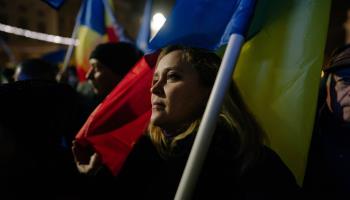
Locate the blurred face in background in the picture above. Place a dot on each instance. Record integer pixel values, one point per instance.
(342, 91)
(101, 77)
(177, 97)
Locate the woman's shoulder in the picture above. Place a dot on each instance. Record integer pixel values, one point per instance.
(143, 145)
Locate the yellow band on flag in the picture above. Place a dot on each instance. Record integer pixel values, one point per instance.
(278, 73)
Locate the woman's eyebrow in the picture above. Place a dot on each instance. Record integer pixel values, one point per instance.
(174, 67)
(167, 69)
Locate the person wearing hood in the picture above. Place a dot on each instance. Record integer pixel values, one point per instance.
(327, 173)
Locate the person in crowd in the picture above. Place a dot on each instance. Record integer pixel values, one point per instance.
(110, 62)
(69, 76)
(327, 174)
(7, 75)
(35, 69)
(40, 118)
(238, 165)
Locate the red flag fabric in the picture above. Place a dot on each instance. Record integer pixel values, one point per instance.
(122, 117)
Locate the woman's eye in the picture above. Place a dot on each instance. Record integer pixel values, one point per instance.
(173, 76)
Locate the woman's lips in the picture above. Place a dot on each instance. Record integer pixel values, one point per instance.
(158, 105)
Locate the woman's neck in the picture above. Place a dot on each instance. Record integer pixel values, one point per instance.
(171, 132)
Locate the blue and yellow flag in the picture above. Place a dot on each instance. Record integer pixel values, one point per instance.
(279, 68)
(278, 73)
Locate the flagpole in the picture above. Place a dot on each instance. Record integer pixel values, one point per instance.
(144, 32)
(73, 37)
(7, 50)
(109, 11)
(71, 47)
(208, 124)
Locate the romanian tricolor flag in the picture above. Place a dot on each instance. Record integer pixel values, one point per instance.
(97, 25)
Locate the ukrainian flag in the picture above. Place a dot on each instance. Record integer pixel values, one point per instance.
(279, 68)
(278, 73)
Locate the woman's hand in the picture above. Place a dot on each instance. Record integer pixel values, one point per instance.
(86, 160)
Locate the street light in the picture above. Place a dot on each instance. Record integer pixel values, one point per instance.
(157, 22)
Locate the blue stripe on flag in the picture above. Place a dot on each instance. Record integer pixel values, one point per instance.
(93, 15)
(56, 4)
(204, 23)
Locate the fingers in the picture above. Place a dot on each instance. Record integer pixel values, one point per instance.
(86, 160)
(82, 154)
(92, 166)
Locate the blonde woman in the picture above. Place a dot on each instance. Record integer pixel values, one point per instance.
(238, 165)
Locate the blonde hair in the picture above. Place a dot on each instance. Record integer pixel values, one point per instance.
(234, 115)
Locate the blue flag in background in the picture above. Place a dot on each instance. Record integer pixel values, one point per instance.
(93, 16)
(204, 23)
(55, 57)
(56, 4)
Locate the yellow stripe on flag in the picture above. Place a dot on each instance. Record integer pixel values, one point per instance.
(278, 73)
(88, 40)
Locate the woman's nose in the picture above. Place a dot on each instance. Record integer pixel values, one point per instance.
(157, 88)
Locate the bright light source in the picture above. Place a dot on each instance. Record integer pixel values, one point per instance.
(157, 22)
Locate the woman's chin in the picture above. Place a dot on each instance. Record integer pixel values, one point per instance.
(156, 119)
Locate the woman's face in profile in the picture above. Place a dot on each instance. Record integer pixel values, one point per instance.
(177, 95)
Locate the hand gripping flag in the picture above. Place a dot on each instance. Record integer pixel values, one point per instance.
(116, 124)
